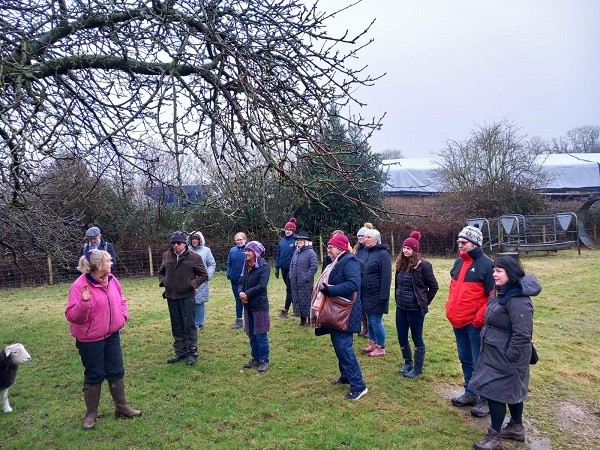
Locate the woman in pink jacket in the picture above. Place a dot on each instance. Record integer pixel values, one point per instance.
(96, 312)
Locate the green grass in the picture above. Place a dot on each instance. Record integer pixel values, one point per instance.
(217, 404)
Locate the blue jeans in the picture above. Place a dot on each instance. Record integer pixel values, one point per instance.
(239, 307)
(200, 314)
(467, 344)
(407, 319)
(101, 359)
(376, 329)
(259, 343)
(347, 362)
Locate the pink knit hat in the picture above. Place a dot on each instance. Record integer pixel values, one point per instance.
(413, 241)
(291, 224)
(340, 241)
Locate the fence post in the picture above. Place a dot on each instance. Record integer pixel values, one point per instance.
(321, 248)
(150, 260)
(393, 246)
(50, 274)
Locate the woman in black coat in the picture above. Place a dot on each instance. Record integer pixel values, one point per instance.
(415, 288)
(253, 294)
(375, 290)
(303, 267)
(502, 372)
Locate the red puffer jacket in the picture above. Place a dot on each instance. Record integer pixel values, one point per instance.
(471, 284)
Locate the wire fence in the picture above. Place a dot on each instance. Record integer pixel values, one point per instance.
(38, 270)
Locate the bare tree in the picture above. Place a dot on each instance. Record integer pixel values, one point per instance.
(579, 140)
(494, 171)
(230, 81)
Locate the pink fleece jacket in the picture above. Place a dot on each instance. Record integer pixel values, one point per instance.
(104, 314)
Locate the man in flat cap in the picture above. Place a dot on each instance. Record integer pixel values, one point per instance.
(181, 273)
(95, 241)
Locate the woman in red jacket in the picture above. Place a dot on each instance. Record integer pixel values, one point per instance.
(97, 311)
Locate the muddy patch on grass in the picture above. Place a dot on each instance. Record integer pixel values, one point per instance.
(535, 439)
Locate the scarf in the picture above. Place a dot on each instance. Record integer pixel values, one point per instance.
(508, 291)
(316, 303)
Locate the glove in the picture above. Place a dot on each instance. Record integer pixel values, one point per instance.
(276, 273)
(325, 290)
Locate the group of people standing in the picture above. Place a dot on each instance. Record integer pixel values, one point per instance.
(489, 306)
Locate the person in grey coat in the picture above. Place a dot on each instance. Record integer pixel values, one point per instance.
(502, 371)
(198, 245)
(302, 276)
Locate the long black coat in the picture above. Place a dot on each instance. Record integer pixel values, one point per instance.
(303, 267)
(502, 371)
(376, 280)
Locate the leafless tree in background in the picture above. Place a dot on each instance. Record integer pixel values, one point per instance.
(229, 81)
(578, 140)
(494, 171)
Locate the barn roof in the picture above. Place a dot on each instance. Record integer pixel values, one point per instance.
(567, 171)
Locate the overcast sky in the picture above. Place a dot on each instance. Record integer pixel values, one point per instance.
(454, 64)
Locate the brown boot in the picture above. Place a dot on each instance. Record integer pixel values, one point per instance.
(91, 395)
(283, 314)
(122, 409)
(491, 441)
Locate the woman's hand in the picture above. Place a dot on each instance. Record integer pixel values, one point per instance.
(85, 295)
(243, 297)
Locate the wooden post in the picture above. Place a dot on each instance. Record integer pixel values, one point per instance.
(150, 260)
(50, 274)
(393, 246)
(321, 248)
(544, 238)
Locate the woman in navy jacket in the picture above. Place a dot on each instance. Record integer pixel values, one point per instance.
(342, 278)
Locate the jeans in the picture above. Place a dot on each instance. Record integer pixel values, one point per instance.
(376, 329)
(102, 359)
(259, 343)
(407, 319)
(200, 314)
(285, 274)
(347, 362)
(467, 344)
(239, 307)
(183, 327)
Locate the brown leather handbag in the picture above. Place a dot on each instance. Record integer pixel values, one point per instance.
(336, 312)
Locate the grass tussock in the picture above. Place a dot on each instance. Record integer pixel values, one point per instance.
(218, 404)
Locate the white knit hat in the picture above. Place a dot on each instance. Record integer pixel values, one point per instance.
(472, 234)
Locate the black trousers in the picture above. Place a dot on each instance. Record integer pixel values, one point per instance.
(285, 273)
(183, 326)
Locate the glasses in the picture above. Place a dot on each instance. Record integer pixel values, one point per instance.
(462, 242)
(177, 243)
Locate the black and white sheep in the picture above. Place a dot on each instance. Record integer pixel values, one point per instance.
(10, 358)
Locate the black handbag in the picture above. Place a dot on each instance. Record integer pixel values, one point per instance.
(534, 356)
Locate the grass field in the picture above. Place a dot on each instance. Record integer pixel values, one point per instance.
(217, 404)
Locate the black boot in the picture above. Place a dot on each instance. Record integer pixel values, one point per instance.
(418, 367)
(407, 355)
(122, 409)
(91, 395)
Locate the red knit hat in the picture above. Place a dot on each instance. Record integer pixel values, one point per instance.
(413, 241)
(291, 225)
(340, 241)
